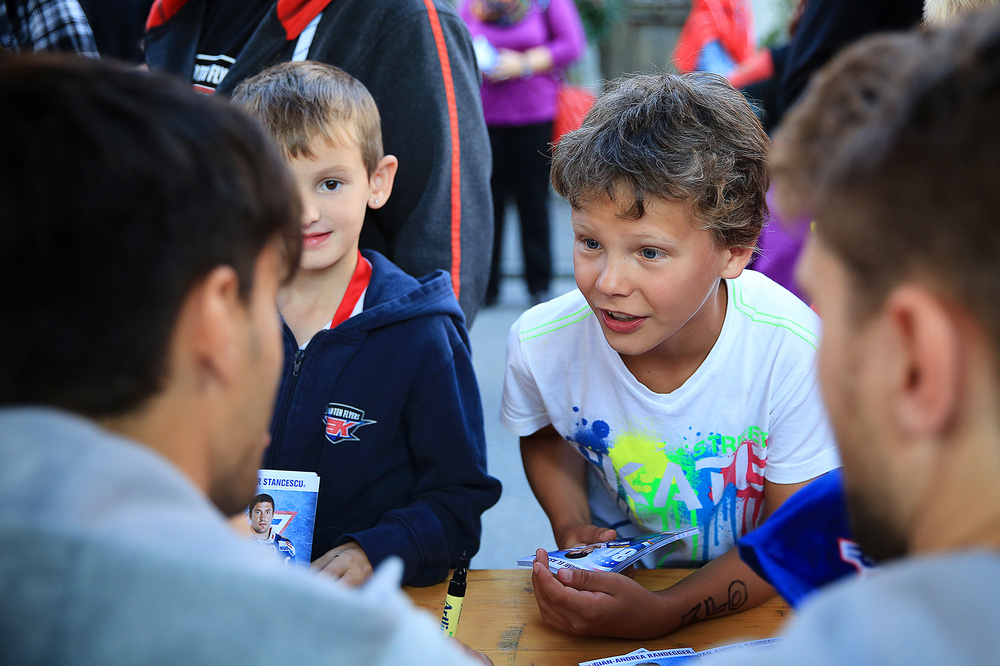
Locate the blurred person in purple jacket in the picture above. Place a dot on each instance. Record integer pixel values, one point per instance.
(522, 47)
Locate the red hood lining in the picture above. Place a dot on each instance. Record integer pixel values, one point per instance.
(294, 15)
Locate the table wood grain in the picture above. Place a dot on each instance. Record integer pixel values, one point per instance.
(501, 619)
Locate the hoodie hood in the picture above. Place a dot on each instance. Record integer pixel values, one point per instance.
(399, 297)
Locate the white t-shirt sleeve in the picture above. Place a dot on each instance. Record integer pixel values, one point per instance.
(522, 410)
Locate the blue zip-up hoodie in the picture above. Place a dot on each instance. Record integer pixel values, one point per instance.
(385, 408)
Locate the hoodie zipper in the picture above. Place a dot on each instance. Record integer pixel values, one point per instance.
(281, 415)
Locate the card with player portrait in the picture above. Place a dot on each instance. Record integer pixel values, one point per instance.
(613, 555)
(282, 515)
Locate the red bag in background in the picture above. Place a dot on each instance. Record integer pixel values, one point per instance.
(572, 104)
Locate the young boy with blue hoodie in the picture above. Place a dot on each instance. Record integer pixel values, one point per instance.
(378, 394)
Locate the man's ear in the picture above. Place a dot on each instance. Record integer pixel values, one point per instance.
(381, 180)
(928, 336)
(737, 260)
(215, 318)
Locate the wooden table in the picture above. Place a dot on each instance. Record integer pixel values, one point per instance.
(500, 618)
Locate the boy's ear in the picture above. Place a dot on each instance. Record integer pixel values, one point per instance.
(736, 262)
(381, 181)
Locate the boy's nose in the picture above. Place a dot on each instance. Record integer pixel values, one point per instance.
(614, 279)
(310, 212)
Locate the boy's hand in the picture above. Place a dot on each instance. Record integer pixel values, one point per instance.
(595, 603)
(572, 536)
(348, 562)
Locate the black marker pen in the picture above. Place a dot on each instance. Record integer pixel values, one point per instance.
(453, 600)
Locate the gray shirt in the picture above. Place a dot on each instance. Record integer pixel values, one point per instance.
(110, 555)
(937, 609)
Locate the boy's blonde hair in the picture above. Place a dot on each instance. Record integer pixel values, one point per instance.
(691, 138)
(298, 102)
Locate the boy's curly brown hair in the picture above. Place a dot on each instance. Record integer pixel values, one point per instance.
(691, 138)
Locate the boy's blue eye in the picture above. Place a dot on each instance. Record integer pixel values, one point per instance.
(591, 244)
(651, 253)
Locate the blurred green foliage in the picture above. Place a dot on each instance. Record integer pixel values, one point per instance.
(778, 34)
(599, 17)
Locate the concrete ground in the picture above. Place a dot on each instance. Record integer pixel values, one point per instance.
(516, 525)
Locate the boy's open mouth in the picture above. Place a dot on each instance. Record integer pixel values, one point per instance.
(620, 322)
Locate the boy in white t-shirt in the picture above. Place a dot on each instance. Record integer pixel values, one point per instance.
(677, 386)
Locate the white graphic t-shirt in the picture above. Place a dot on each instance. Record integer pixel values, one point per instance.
(697, 456)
